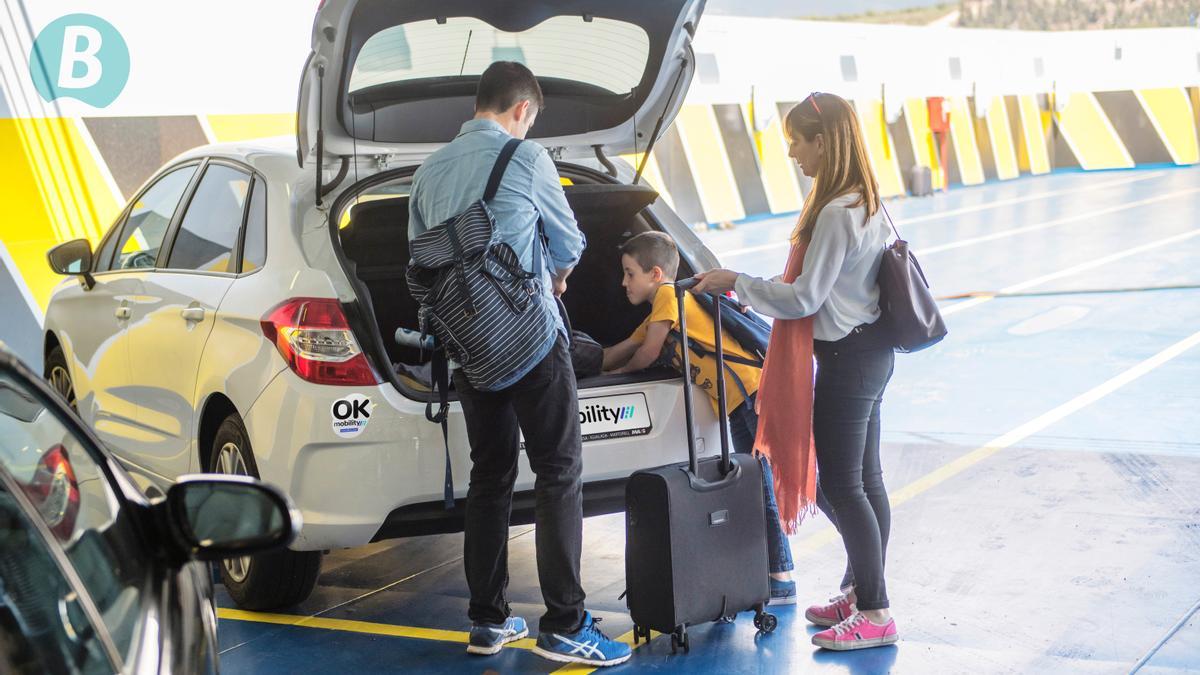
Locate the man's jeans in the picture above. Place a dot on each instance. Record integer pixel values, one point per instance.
(743, 425)
(544, 405)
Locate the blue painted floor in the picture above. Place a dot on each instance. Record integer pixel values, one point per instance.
(1043, 462)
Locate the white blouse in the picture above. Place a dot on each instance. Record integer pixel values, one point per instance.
(839, 283)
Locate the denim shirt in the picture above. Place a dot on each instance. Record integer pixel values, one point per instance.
(455, 176)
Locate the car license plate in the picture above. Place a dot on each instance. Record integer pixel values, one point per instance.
(606, 417)
(614, 417)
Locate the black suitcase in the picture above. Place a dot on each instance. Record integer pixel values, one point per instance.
(695, 542)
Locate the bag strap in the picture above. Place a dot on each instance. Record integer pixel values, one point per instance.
(493, 184)
(440, 372)
(701, 352)
(460, 269)
(562, 311)
(889, 219)
(498, 168)
(538, 244)
(910, 257)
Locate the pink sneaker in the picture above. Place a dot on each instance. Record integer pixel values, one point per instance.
(857, 632)
(838, 610)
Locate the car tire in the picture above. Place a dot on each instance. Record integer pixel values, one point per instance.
(58, 374)
(270, 580)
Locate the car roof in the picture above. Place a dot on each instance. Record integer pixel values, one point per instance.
(260, 153)
(274, 145)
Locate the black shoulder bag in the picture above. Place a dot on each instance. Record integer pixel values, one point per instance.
(909, 312)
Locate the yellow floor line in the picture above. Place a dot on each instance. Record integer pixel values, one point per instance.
(350, 626)
(577, 669)
(393, 630)
(806, 546)
(948, 471)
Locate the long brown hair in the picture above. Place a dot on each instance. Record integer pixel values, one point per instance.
(845, 166)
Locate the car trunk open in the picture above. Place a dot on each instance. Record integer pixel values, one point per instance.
(395, 79)
(374, 247)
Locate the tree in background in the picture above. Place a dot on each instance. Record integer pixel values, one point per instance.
(1078, 14)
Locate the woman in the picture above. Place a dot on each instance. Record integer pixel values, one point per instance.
(827, 303)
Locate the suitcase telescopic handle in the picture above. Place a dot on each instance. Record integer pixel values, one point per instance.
(681, 289)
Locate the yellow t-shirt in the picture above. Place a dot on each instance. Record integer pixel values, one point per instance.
(700, 328)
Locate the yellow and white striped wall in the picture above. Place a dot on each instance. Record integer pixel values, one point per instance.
(65, 178)
(714, 167)
(66, 168)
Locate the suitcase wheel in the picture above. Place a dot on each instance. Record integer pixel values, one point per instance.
(765, 622)
(681, 640)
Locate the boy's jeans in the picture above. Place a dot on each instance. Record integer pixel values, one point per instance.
(743, 425)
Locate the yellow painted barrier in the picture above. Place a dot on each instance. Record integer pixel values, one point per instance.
(705, 150)
(1033, 136)
(1170, 111)
(230, 128)
(966, 149)
(54, 189)
(1090, 134)
(1001, 136)
(879, 143)
(778, 174)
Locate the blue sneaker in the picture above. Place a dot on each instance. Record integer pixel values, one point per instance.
(783, 592)
(587, 646)
(489, 638)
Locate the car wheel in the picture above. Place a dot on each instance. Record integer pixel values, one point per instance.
(59, 376)
(268, 580)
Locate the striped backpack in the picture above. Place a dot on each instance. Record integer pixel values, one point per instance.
(476, 299)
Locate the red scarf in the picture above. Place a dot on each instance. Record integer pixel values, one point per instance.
(785, 407)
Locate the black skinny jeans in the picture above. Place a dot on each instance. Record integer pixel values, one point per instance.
(849, 391)
(544, 405)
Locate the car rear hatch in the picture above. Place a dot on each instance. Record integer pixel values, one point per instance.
(396, 79)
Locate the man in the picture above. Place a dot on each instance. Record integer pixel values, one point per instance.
(541, 402)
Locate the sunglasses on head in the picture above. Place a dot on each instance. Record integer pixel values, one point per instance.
(813, 98)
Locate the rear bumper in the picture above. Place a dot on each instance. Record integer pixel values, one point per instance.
(386, 480)
(599, 498)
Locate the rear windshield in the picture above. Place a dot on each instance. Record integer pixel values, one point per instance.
(600, 52)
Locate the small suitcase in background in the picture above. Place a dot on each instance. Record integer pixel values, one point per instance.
(695, 545)
(920, 181)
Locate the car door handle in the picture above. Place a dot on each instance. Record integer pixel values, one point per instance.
(123, 313)
(192, 314)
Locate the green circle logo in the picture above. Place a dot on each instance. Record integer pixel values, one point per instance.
(80, 56)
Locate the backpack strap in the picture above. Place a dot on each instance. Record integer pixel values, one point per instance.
(539, 243)
(441, 383)
(702, 352)
(493, 184)
(498, 168)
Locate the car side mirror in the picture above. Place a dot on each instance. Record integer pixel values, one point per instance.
(73, 258)
(229, 516)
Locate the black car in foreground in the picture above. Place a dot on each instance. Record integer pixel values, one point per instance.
(94, 577)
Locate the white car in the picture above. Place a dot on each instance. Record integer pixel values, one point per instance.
(239, 315)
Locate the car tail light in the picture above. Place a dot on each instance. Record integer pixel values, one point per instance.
(314, 338)
(54, 492)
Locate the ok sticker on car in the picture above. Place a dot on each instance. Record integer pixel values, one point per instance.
(351, 415)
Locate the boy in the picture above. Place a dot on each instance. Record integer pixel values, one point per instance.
(650, 261)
